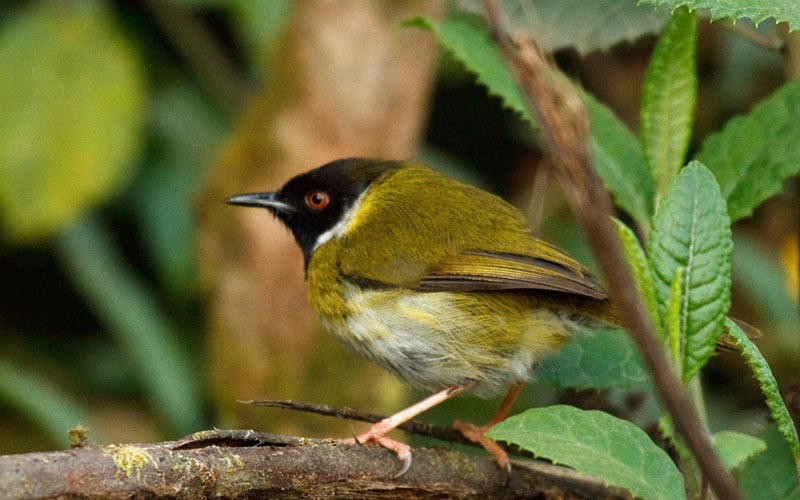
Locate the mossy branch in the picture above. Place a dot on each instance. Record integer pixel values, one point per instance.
(249, 464)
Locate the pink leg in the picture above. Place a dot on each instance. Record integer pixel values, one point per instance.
(377, 433)
(477, 433)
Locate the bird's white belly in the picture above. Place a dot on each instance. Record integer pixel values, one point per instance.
(430, 341)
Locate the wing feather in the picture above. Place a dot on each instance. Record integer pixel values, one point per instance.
(546, 270)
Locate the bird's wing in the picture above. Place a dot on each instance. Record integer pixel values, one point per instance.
(539, 266)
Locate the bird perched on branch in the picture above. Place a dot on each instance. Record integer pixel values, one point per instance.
(441, 283)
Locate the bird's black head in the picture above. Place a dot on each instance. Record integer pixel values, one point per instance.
(312, 204)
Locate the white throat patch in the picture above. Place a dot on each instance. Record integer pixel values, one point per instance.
(340, 228)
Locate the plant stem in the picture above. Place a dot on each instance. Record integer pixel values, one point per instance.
(695, 388)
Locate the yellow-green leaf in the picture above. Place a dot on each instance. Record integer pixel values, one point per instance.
(640, 269)
(673, 320)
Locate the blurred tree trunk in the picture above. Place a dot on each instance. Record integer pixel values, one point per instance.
(348, 80)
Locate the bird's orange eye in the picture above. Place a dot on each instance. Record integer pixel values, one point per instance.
(317, 199)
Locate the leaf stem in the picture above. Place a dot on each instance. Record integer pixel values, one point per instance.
(696, 393)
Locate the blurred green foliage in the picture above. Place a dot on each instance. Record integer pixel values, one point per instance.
(74, 115)
(108, 132)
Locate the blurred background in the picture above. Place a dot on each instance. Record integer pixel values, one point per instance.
(134, 301)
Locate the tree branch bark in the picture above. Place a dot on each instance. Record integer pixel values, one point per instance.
(250, 464)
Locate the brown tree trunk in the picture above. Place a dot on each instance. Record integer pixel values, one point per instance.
(347, 80)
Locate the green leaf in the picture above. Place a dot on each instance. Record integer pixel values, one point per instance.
(770, 475)
(735, 448)
(470, 43)
(586, 26)
(756, 10)
(73, 101)
(596, 443)
(673, 319)
(691, 229)
(755, 153)
(123, 302)
(668, 99)
(640, 269)
(54, 411)
(618, 159)
(595, 360)
(752, 356)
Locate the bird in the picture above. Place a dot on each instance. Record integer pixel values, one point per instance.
(439, 282)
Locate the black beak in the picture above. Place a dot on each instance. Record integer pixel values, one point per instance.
(262, 200)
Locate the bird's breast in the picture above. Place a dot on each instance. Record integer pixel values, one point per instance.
(436, 339)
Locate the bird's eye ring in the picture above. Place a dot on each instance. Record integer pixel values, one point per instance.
(317, 199)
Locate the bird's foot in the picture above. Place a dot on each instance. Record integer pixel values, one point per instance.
(377, 435)
(477, 434)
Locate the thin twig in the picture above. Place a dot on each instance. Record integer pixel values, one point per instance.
(565, 128)
(412, 427)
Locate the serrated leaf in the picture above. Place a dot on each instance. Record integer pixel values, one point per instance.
(72, 95)
(640, 269)
(595, 360)
(735, 448)
(668, 99)
(691, 229)
(770, 475)
(756, 10)
(470, 43)
(586, 26)
(596, 443)
(618, 159)
(769, 386)
(753, 154)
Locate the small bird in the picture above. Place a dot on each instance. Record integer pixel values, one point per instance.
(441, 283)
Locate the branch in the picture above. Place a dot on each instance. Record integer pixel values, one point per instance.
(565, 128)
(249, 464)
(448, 434)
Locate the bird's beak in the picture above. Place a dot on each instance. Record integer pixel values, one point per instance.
(269, 201)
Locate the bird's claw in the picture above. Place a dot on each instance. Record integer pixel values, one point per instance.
(477, 435)
(406, 466)
(402, 450)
